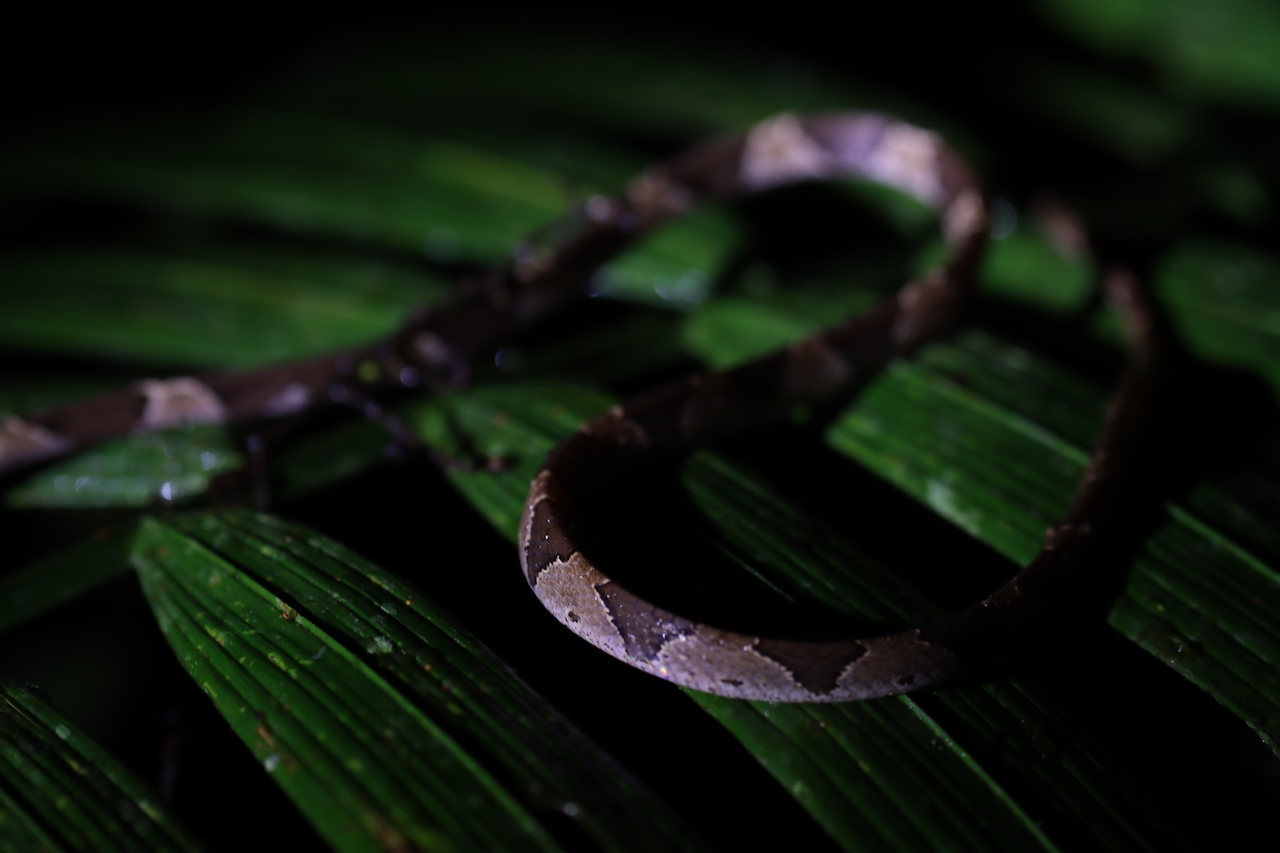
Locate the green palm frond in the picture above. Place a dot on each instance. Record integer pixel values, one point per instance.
(369, 641)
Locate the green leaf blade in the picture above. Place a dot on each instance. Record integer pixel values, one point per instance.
(63, 791)
(206, 306)
(286, 621)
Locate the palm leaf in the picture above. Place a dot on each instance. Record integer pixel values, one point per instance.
(298, 220)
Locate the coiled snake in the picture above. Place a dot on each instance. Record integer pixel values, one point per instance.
(435, 349)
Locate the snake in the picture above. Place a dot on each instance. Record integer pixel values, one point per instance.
(435, 349)
(782, 150)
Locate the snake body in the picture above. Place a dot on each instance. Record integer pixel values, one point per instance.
(728, 663)
(434, 349)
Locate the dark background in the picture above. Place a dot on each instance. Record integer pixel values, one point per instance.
(974, 63)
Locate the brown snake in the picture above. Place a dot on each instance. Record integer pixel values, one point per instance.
(697, 655)
(436, 348)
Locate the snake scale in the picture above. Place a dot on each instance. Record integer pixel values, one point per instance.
(435, 349)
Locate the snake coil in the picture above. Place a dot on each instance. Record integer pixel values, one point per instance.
(435, 348)
(783, 150)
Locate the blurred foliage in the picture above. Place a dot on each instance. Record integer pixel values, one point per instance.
(1223, 51)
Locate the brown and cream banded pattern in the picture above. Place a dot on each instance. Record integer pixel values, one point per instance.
(707, 658)
(436, 348)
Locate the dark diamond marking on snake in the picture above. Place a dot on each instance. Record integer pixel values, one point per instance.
(814, 666)
(547, 542)
(644, 628)
(657, 414)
